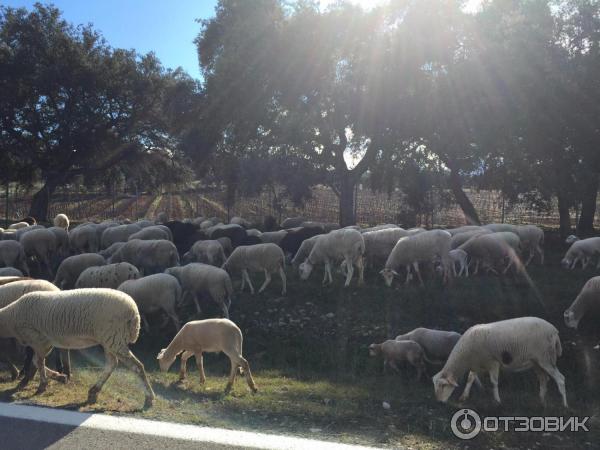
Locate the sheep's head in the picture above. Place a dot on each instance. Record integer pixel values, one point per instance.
(388, 276)
(566, 263)
(163, 361)
(305, 270)
(444, 386)
(374, 349)
(570, 319)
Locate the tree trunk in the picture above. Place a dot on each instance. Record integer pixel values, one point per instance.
(564, 216)
(41, 201)
(585, 226)
(347, 216)
(463, 201)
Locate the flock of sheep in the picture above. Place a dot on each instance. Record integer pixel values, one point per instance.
(111, 275)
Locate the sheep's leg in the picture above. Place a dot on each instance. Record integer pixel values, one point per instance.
(195, 297)
(466, 267)
(494, 372)
(407, 275)
(328, 271)
(46, 260)
(232, 375)
(283, 280)
(136, 366)
(558, 378)
(110, 364)
(416, 266)
(360, 265)
(540, 251)
(543, 380)
(65, 358)
(324, 276)
(243, 283)
(476, 271)
(173, 315)
(245, 274)
(225, 309)
(200, 365)
(267, 281)
(183, 367)
(509, 265)
(350, 273)
(145, 322)
(40, 362)
(248, 374)
(470, 380)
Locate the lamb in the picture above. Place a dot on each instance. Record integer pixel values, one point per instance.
(267, 258)
(108, 276)
(70, 268)
(395, 352)
(419, 248)
(12, 254)
(10, 272)
(346, 245)
(491, 252)
(515, 345)
(75, 320)
(152, 293)
(587, 298)
(582, 251)
(196, 279)
(459, 257)
(84, 239)
(460, 238)
(119, 233)
(207, 252)
(211, 335)
(437, 344)
(61, 221)
(148, 256)
(150, 233)
(41, 244)
(304, 250)
(380, 243)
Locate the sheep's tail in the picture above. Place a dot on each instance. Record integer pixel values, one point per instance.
(133, 328)
(557, 345)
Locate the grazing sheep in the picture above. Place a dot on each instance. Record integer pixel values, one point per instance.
(61, 221)
(10, 272)
(582, 251)
(491, 252)
(153, 293)
(514, 345)
(108, 276)
(18, 225)
(148, 256)
(70, 268)
(588, 297)
(150, 233)
(84, 239)
(273, 237)
(267, 258)
(395, 352)
(346, 245)
(108, 252)
(118, 233)
(459, 257)
(40, 244)
(196, 279)
(212, 336)
(437, 344)
(304, 250)
(13, 255)
(380, 243)
(207, 252)
(510, 238)
(419, 248)
(62, 241)
(460, 238)
(74, 320)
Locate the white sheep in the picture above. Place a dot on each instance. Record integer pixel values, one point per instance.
(304, 250)
(13, 255)
(510, 238)
(40, 244)
(18, 225)
(514, 345)
(10, 272)
(423, 247)
(267, 258)
(338, 245)
(197, 278)
(61, 221)
(150, 233)
(207, 252)
(395, 352)
(109, 276)
(211, 336)
(491, 252)
(148, 256)
(84, 238)
(70, 268)
(11, 292)
(582, 251)
(588, 298)
(437, 344)
(459, 239)
(119, 233)
(74, 320)
(152, 293)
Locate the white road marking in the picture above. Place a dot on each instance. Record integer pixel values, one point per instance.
(222, 436)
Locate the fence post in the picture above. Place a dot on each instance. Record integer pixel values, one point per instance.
(6, 212)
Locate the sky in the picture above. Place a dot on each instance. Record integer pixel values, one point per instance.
(166, 27)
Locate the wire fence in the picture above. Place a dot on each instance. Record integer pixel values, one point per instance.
(371, 207)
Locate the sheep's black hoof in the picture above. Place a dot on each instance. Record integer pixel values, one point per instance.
(148, 402)
(92, 396)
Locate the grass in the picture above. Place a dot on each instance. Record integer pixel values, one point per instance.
(308, 354)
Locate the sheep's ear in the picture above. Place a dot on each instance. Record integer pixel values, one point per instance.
(161, 353)
(451, 381)
(395, 273)
(381, 272)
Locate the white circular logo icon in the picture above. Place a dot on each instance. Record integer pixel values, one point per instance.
(465, 424)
